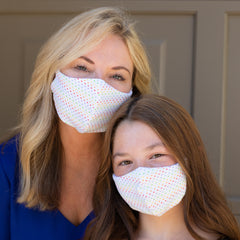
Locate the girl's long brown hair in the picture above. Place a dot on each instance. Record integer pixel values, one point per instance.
(205, 206)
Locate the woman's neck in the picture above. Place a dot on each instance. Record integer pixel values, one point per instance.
(80, 151)
(80, 160)
(82, 147)
(169, 226)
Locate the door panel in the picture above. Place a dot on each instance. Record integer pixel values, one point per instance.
(232, 116)
(194, 52)
(21, 38)
(169, 41)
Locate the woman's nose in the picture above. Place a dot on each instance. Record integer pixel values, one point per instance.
(99, 74)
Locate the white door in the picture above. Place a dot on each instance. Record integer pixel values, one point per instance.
(194, 52)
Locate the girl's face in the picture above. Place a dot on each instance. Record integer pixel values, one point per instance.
(135, 144)
(110, 61)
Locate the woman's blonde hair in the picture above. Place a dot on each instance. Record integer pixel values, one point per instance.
(205, 206)
(40, 145)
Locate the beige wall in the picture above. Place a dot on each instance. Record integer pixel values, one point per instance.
(195, 56)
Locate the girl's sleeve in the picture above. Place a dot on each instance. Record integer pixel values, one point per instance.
(4, 204)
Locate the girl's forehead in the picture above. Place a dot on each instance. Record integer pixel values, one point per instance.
(129, 133)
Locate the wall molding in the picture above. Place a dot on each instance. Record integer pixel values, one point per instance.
(136, 7)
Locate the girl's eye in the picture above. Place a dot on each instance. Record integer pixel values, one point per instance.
(118, 77)
(124, 163)
(158, 155)
(81, 68)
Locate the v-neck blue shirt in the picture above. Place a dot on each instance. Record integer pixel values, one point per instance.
(20, 223)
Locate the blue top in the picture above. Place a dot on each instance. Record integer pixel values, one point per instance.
(21, 223)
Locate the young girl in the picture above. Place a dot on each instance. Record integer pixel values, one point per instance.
(161, 183)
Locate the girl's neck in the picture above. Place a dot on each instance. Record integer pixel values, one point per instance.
(170, 226)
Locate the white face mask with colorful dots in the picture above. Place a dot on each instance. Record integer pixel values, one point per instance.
(152, 191)
(86, 104)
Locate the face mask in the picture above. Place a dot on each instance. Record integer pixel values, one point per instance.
(152, 191)
(86, 104)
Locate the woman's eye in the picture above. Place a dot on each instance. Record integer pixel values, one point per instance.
(124, 163)
(118, 77)
(158, 155)
(82, 68)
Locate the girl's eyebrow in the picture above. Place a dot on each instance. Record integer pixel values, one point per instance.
(150, 147)
(158, 144)
(117, 154)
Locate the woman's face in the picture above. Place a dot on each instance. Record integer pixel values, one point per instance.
(135, 144)
(110, 61)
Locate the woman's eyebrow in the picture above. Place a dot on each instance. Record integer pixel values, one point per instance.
(87, 59)
(121, 68)
(114, 68)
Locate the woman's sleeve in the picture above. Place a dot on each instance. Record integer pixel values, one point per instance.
(4, 204)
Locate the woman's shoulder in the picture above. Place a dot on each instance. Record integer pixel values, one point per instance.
(9, 157)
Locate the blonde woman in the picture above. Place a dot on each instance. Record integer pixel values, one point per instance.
(155, 182)
(83, 73)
